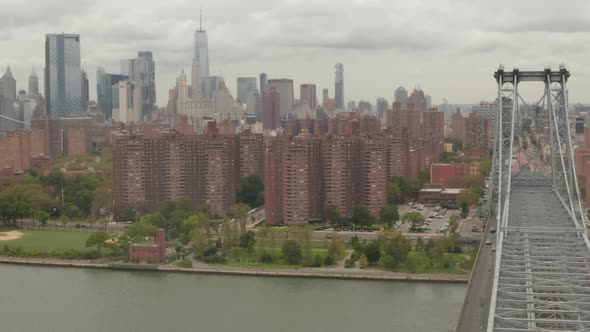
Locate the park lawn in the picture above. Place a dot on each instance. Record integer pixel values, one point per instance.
(49, 240)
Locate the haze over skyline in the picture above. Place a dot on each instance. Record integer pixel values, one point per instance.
(449, 48)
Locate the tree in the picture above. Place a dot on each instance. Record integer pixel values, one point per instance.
(335, 245)
(249, 189)
(464, 209)
(420, 246)
(394, 192)
(414, 218)
(98, 240)
(467, 196)
(389, 214)
(333, 215)
(142, 229)
(454, 225)
(239, 211)
(372, 252)
(247, 241)
(362, 216)
(424, 176)
(292, 252)
(42, 217)
(395, 245)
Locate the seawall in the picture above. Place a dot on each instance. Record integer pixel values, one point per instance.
(221, 270)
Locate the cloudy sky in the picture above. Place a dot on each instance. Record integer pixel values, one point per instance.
(450, 48)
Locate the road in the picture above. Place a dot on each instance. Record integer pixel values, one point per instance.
(476, 307)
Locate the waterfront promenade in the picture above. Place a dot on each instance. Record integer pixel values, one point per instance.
(317, 273)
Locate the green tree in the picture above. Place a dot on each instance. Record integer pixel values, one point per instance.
(249, 190)
(389, 214)
(239, 211)
(98, 240)
(395, 245)
(247, 241)
(332, 214)
(420, 246)
(292, 252)
(42, 217)
(424, 176)
(454, 224)
(394, 192)
(372, 252)
(142, 229)
(414, 218)
(361, 216)
(335, 245)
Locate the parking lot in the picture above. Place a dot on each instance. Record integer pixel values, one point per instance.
(435, 220)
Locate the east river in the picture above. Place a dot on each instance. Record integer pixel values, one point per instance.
(62, 300)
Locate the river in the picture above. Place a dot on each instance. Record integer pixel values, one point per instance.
(63, 300)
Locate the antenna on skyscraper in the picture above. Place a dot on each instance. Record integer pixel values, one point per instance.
(200, 19)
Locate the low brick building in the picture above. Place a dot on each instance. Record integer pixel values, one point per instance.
(149, 252)
(448, 174)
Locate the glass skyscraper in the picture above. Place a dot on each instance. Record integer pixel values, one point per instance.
(202, 51)
(339, 86)
(63, 76)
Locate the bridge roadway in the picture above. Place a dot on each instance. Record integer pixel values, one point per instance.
(544, 267)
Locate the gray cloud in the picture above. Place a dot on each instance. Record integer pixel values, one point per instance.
(449, 47)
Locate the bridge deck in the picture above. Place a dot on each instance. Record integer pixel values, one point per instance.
(544, 276)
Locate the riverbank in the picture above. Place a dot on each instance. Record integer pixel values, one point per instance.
(316, 273)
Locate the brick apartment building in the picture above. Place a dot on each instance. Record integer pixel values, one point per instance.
(205, 168)
(473, 130)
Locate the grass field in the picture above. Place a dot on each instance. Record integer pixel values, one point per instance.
(49, 240)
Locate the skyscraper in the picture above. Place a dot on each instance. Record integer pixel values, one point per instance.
(271, 115)
(147, 81)
(196, 81)
(308, 96)
(401, 96)
(104, 91)
(285, 87)
(263, 82)
(33, 84)
(85, 91)
(339, 86)
(382, 107)
(245, 85)
(7, 99)
(418, 100)
(325, 97)
(63, 78)
(202, 49)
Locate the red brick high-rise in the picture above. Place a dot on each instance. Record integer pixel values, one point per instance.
(251, 154)
(221, 172)
(273, 170)
(271, 109)
(433, 123)
(478, 131)
(299, 184)
(373, 173)
(204, 168)
(398, 120)
(341, 166)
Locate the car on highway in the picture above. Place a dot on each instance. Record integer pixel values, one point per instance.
(489, 241)
(493, 230)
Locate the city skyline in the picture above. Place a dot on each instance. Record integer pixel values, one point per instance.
(397, 56)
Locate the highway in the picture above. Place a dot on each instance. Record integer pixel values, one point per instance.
(476, 307)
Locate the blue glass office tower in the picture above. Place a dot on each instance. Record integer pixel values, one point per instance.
(63, 77)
